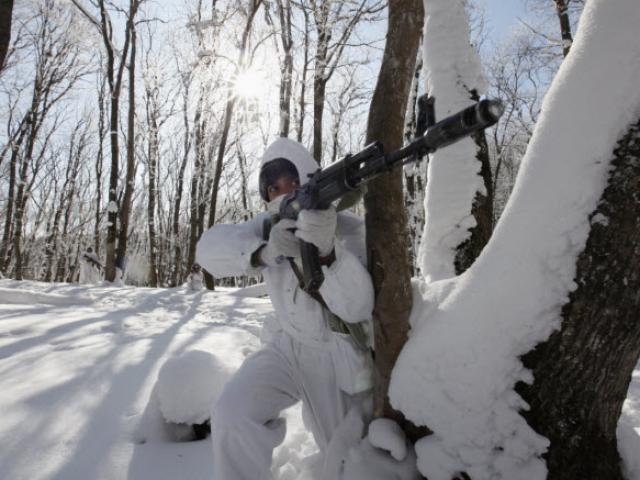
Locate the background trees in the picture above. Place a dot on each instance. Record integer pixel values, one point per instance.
(201, 102)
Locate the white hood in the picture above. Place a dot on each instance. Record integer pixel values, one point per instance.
(294, 152)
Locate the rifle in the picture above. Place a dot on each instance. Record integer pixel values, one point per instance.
(348, 175)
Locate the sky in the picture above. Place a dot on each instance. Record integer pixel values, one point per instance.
(502, 15)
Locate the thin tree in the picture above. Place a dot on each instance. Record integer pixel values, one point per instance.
(129, 185)
(562, 11)
(286, 68)
(335, 23)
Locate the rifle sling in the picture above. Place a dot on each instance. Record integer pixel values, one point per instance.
(336, 324)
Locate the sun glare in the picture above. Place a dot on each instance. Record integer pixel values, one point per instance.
(249, 84)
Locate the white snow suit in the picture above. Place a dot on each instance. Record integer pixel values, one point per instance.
(90, 269)
(302, 359)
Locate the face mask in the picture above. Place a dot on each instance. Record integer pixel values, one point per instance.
(273, 207)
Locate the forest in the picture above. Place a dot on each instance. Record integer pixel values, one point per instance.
(130, 128)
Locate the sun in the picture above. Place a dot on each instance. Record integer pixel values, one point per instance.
(249, 84)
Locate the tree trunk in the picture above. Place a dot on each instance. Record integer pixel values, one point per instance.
(414, 178)
(319, 89)
(151, 205)
(583, 371)
(196, 181)
(98, 169)
(303, 80)
(6, 12)
(482, 208)
(284, 13)
(175, 227)
(565, 25)
(8, 219)
(125, 211)
(386, 220)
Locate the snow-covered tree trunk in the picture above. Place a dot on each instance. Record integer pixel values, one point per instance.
(457, 205)
(414, 173)
(561, 273)
(386, 219)
(583, 371)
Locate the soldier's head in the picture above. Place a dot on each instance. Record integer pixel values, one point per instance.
(286, 164)
(195, 268)
(278, 177)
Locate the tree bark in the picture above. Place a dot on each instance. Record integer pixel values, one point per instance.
(565, 26)
(482, 208)
(196, 181)
(583, 371)
(175, 226)
(8, 219)
(386, 220)
(303, 81)
(125, 211)
(98, 167)
(6, 13)
(151, 204)
(284, 14)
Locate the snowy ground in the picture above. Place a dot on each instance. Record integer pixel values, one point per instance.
(78, 366)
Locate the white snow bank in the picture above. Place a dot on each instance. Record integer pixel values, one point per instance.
(452, 71)
(189, 385)
(457, 371)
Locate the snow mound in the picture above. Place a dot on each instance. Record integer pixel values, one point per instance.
(189, 385)
(366, 462)
(387, 435)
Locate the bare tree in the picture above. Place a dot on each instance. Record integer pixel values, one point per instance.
(129, 184)
(57, 68)
(114, 73)
(303, 76)
(335, 23)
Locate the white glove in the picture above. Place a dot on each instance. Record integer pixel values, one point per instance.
(318, 227)
(282, 244)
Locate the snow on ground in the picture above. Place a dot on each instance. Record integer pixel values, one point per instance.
(78, 365)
